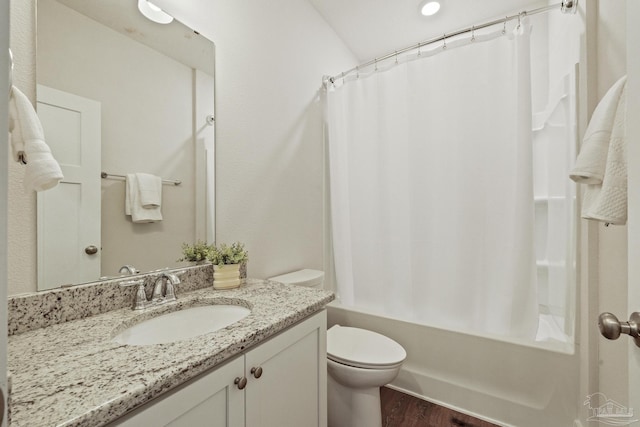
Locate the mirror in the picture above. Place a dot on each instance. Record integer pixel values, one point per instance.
(120, 94)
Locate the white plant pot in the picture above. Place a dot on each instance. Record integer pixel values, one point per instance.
(226, 276)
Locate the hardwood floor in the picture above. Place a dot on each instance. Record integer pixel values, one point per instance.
(402, 410)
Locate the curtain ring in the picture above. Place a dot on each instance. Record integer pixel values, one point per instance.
(357, 72)
(444, 41)
(419, 45)
(343, 77)
(473, 33)
(376, 64)
(504, 26)
(396, 57)
(519, 15)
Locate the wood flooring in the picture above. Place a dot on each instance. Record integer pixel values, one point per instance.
(402, 410)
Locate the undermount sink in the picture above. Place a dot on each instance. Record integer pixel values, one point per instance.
(182, 324)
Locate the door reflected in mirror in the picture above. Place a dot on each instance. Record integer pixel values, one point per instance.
(120, 94)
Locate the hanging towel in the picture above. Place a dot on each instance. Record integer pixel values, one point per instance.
(605, 198)
(591, 162)
(133, 206)
(42, 171)
(150, 187)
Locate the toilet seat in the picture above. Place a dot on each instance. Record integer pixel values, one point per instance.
(361, 348)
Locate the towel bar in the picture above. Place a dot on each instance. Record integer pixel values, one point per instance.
(105, 175)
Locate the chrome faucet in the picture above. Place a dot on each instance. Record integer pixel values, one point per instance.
(128, 269)
(169, 293)
(157, 297)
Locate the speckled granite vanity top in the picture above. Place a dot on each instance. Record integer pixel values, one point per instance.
(72, 374)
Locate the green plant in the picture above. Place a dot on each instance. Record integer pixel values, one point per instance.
(225, 254)
(197, 252)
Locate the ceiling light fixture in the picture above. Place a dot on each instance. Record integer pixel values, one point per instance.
(153, 12)
(429, 7)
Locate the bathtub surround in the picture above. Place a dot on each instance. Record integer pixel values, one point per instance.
(76, 376)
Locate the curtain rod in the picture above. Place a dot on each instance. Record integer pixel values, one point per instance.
(566, 6)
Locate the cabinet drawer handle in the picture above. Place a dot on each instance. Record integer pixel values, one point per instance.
(257, 372)
(241, 382)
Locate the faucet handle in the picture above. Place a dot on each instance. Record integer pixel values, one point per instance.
(129, 283)
(140, 302)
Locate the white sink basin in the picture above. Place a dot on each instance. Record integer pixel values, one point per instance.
(182, 325)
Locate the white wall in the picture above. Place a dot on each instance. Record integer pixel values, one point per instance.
(612, 253)
(270, 58)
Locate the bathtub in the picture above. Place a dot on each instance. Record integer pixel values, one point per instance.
(518, 384)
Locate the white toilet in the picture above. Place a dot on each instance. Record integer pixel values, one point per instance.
(359, 362)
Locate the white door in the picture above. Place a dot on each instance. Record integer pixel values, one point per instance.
(69, 214)
(633, 135)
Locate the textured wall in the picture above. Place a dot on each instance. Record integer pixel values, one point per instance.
(4, 114)
(22, 206)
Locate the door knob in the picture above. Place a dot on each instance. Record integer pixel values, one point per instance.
(91, 250)
(611, 328)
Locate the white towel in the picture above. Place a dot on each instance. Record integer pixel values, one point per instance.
(42, 171)
(132, 205)
(150, 187)
(591, 162)
(605, 198)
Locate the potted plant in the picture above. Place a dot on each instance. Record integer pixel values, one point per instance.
(197, 253)
(227, 260)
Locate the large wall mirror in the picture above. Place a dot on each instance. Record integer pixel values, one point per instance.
(119, 94)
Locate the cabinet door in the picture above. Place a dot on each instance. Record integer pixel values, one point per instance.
(291, 390)
(211, 400)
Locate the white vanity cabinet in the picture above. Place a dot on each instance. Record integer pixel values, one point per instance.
(279, 383)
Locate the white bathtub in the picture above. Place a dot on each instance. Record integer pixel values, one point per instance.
(507, 383)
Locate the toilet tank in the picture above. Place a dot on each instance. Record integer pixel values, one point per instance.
(309, 278)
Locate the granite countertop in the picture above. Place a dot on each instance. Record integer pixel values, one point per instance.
(72, 374)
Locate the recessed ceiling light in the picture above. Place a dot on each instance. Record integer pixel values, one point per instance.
(153, 12)
(430, 7)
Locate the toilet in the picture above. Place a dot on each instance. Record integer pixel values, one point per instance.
(359, 362)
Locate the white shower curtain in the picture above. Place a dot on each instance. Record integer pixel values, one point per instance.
(431, 188)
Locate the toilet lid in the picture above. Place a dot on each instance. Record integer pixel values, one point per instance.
(362, 348)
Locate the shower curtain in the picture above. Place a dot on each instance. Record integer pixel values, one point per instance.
(431, 187)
